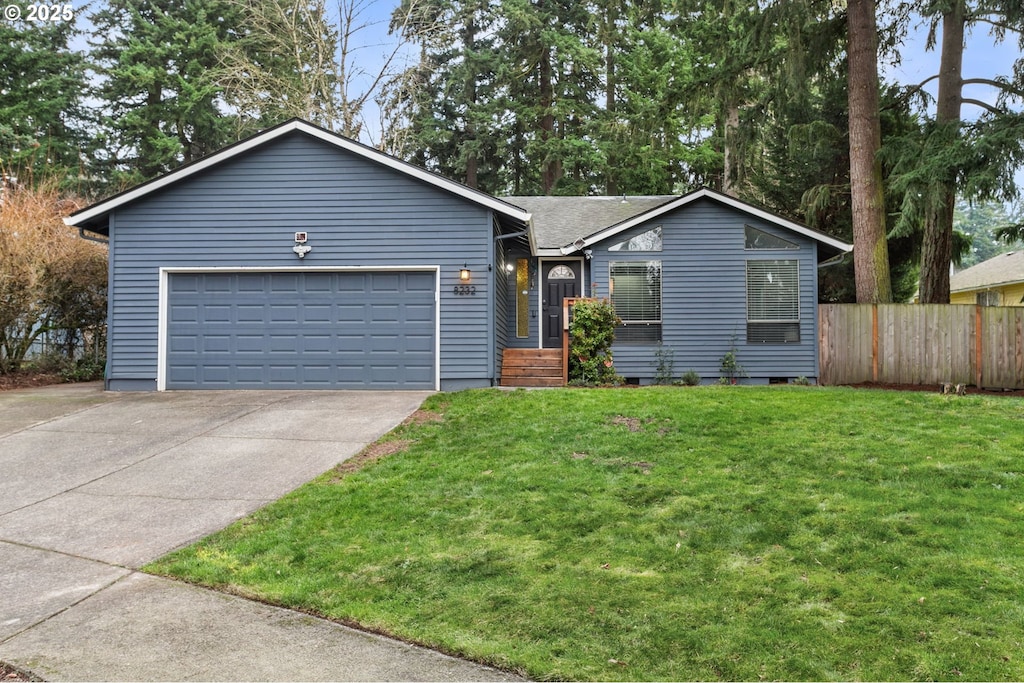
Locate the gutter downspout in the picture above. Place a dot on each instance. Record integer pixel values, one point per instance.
(522, 233)
(834, 261)
(90, 238)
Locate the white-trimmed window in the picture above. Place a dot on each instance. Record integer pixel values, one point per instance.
(773, 301)
(990, 297)
(635, 290)
(645, 241)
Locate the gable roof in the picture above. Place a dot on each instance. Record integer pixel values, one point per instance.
(94, 217)
(998, 271)
(558, 221)
(663, 205)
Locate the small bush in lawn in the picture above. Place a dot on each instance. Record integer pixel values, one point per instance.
(664, 359)
(690, 378)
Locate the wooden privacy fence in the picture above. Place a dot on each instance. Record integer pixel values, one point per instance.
(922, 344)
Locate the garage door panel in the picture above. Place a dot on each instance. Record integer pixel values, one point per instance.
(215, 343)
(185, 314)
(315, 283)
(350, 313)
(183, 344)
(249, 313)
(250, 283)
(317, 313)
(317, 344)
(385, 282)
(285, 283)
(419, 314)
(420, 283)
(301, 330)
(422, 344)
(250, 343)
(285, 313)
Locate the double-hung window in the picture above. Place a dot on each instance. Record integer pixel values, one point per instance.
(635, 291)
(773, 301)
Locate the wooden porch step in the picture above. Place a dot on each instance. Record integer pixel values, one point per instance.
(532, 382)
(532, 368)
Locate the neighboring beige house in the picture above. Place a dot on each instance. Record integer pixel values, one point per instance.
(998, 281)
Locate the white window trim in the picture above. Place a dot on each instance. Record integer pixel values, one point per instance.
(661, 287)
(746, 288)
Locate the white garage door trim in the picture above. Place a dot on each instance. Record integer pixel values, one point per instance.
(166, 272)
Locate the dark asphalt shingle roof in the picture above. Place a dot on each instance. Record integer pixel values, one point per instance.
(559, 221)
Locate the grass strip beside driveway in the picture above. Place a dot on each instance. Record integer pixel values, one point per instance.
(732, 533)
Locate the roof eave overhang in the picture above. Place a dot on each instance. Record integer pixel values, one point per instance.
(90, 214)
(986, 287)
(705, 193)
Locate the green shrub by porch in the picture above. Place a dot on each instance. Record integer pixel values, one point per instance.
(591, 334)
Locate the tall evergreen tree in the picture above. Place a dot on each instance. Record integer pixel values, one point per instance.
(453, 114)
(156, 64)
(949, 157)
(870, 248)
(41, 87)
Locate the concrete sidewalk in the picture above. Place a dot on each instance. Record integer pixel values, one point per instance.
(94, 485)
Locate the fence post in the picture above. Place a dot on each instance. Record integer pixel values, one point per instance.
(978, 355)
(874, 342)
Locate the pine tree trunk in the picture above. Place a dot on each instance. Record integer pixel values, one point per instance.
(937, 247)
(472, 162)
(549, 165)
(611, 185)
(870, 249)
(730, 171)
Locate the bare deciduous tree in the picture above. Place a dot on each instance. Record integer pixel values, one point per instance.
(50, 279)
(296, 59)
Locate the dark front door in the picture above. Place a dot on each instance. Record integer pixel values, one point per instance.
(559, 281)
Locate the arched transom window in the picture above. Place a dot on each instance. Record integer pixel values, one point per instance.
(561, 272)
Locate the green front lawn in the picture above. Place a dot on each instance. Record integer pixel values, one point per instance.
(668, 533)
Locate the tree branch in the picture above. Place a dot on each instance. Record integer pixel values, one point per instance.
(914, 89)
(983, 19)
(1005, 87)
(984, 105)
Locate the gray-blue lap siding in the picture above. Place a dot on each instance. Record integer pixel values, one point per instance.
(704, 296)
(512, 340)
(243, 213)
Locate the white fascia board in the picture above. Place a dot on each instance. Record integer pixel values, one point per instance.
(327, 136)
(724, 199)
(986, 287)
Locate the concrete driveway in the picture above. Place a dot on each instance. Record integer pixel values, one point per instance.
(93, 485)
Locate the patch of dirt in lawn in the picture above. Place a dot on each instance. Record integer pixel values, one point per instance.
(631, 423)
(12, 673)
(372, 453)
(635, 424)
(423, 417)
(25, 380)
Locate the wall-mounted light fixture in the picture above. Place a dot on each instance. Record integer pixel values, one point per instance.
(301, 248)
(509, 267)
(465, 273)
